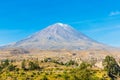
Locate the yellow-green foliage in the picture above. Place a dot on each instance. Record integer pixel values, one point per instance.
(50, 71)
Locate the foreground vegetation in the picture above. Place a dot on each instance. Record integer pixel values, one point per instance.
(50, 69)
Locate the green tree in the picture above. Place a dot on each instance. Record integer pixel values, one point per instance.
(11, 67)
(111, 66)
(23, 66)
(44, 78)
(71, 62)
(65, 76)
(84, 72)
(33, 66)
(5, 63)
(84, 65)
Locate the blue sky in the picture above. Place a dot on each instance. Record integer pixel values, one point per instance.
(98, 19)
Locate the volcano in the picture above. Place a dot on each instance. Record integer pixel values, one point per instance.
(58, 36)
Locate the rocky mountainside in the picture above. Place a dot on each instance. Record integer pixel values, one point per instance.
(58, 36)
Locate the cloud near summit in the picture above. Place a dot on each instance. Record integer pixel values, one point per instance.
(114, 13)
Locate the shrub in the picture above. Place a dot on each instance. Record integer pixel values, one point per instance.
(33, 66)
(11, 67)
(23, 66)
(44, 78)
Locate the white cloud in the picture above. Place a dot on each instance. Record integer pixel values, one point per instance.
(114, 13)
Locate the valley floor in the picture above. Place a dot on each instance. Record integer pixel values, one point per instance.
(56, 65)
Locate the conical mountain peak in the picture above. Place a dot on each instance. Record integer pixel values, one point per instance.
(61, 32)
(57, 36)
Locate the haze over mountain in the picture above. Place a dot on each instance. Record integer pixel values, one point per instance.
(58, 36)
